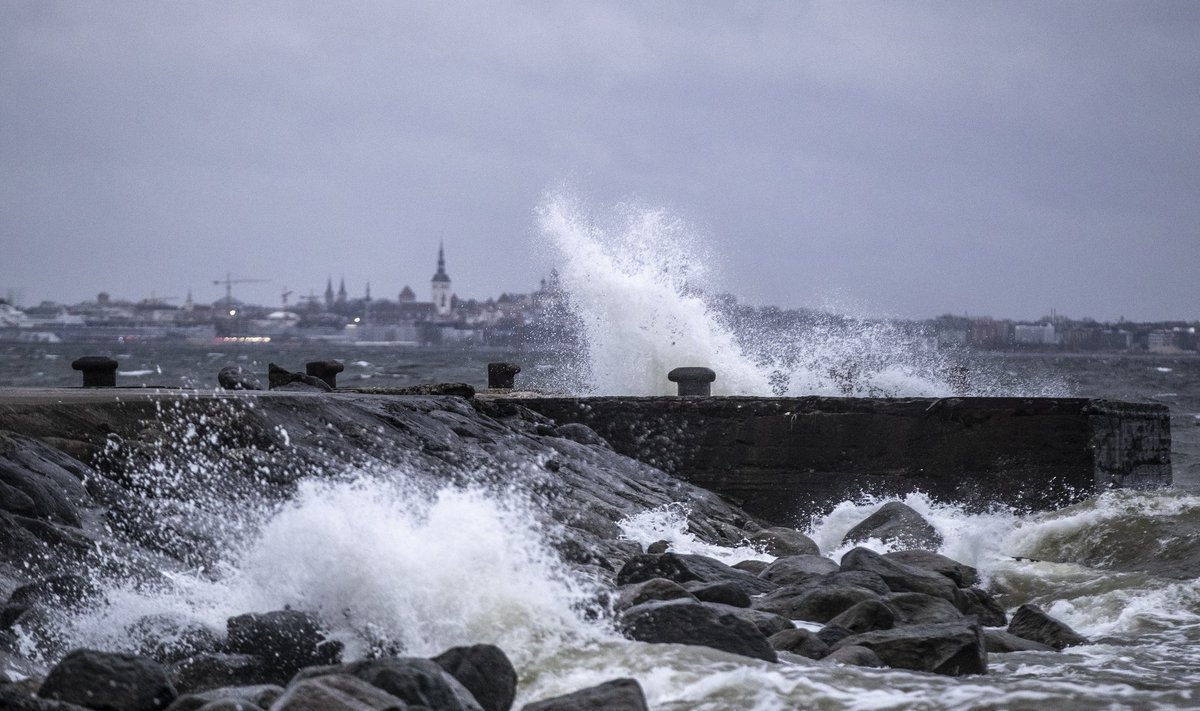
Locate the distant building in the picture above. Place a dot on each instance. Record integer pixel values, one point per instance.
(440, 287)
(1041, 334)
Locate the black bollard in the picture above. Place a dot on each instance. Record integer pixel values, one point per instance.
(98, 371)
(326, 370)
(502, 375)
(693, 381)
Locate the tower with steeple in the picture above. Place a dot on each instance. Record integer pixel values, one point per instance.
(329, 294)
(341, 295)
(440, 285)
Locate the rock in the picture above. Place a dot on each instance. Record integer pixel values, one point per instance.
(724, 592)
(895, 521)
(287, 641)
(336, 692)
(797, 569)
(1032, 623)
(14, 697)
(767, 622)
(854, 655)
(780, 541)
(754, 567)
(281, 379)
(813, 603)
(983, 606)
(953, 648)
(799, 641)
(106, 680)
(255, 697)
(921, 609)
(866, 616)
(616, 695)
(658, 547)
(901, 577)
(687, 568)
(682, 622)
(964, 576)
(859, 578)
(234, 377)
(582, 434)
(652, 589)
(201, 672)
(485, 671)
(1002, 642)
(415, 681)
(832, 634)
(61, 592)
(166, 639)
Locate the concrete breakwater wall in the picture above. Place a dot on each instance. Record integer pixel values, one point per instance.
(784, 458)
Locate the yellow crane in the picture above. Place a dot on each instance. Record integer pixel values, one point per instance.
(229, 281)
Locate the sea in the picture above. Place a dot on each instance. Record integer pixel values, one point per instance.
(1122, 568)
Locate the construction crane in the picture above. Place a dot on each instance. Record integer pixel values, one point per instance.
(286, 293)
(229, 281)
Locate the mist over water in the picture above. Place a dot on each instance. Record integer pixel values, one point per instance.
(638, 281)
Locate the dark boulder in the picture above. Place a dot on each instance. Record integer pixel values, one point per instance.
(855, 656)
(984, 607)
(767, 622)
(252, 697)
(213, 670)
(1001, 642)
(658, 547)
(281, 379)
(337, 692)
(166, 639)
(61, 592)
(109, 681)
(859, 578)
(901, 577)
(832, 634)
(15, 697)
(652, 589)
(866, 616)
(780, 541)
(234, 377)
(752, 566)
(723, 592)
(582, 434)
(287, 641)
(1032, 623)
(415, 681)
(682, 622)
(798, 569)
(485, 671)
(896, 522)
(813, 603)
(688, 568)
(964, 576)
(799, 641)
(921, 609)
(953, 648)
(615, 695)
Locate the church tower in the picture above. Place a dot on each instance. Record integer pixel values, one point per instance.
(329, 294)
(440, 285)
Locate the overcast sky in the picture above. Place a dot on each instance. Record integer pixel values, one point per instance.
(998, 159)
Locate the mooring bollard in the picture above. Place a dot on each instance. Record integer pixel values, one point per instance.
(98, 371)
(326, 370)
(502, 375)
(693, 381)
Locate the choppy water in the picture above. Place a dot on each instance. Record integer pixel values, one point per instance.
(466, 564)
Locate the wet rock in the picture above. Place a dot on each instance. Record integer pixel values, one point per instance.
(1031, 622)
(234, 377)
(14, 697)
(921, 609)
(106, 680)
(866, 616)
(854, 655)
(858, 578)
(582, 434)
(984, 607)
(688, 568)
(616, 695)
(724, 592)
(415, 681)
(253, 697)
(485, 671)
(201, 672)
(799, 641)
(336, 692)
(964, 576)
(781, 541)
(281, 379)
(767, 622)
(832, 634)
(166, 639)
(287, 641)
(61, 592)
(898, 522)
(754, 567)
(1002, 642)
(814, 604)
(682, 622)
(954, 648)
(651, 590)
(901, 577)
(658, 547)
(798, 569)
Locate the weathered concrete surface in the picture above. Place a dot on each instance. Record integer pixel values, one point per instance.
(785, 458)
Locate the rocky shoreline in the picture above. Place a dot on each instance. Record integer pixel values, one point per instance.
(92, 488)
